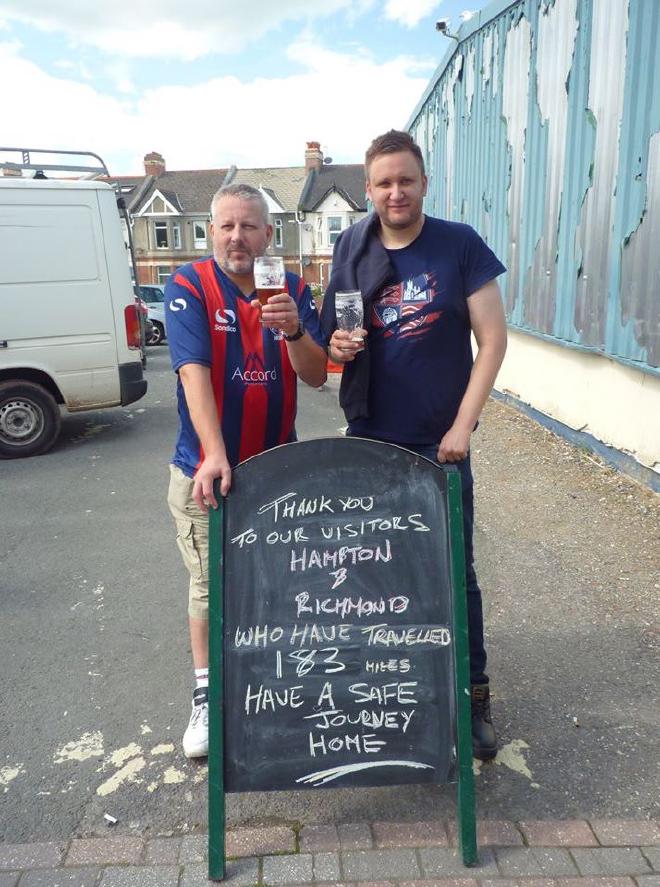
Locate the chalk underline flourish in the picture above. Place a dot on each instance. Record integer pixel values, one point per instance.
(323, 776)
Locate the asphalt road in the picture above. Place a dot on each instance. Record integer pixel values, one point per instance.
(95, 661)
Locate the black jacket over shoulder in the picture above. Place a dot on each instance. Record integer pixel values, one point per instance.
(360, 262)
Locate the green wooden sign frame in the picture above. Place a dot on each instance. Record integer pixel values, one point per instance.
(466, 818)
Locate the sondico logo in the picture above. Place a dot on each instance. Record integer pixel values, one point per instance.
(178, 305)
(254, 372)
(224, 322)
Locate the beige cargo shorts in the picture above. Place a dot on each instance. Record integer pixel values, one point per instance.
(192, 537)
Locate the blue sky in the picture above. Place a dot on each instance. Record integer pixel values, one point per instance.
(209, 83)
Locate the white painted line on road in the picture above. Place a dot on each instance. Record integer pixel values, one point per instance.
(172, 776)
(126, 774)
(119, 757)
(8, 774)
(511, 756)
(201, 775)
(90, 745)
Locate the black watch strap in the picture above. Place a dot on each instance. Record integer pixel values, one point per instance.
(300, 332)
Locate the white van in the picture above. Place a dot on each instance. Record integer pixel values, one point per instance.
(69, 323)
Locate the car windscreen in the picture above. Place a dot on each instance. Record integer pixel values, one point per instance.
(152, 294)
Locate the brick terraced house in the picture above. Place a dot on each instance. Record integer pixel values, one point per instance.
(310, 205)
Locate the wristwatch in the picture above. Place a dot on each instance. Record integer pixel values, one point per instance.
(300, 332)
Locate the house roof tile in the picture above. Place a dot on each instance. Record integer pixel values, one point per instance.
(346, 178)
(189, 191)
(284, 183)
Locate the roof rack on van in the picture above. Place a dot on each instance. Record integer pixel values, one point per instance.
(51, 162)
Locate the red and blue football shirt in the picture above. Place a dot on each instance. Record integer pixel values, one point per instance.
(211, 322)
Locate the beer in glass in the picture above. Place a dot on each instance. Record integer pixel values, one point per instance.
(269, 277)
(349, 311)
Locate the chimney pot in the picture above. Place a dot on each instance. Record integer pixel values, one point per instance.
(313, 156)
(154, 164)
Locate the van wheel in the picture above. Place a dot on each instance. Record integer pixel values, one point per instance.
(157, 335)
(29, 419)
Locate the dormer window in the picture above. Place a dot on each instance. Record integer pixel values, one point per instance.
(158, 205)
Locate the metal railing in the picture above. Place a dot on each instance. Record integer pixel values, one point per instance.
(28, 161)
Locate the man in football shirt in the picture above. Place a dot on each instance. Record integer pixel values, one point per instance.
(237, 365)
(427, 285)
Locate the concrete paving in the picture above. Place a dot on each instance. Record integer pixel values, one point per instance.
(567, 554)
(567, 853)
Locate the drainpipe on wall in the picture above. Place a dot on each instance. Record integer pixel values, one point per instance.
(299, 219)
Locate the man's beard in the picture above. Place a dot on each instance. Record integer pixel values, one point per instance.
(414, 215)
(237, 266)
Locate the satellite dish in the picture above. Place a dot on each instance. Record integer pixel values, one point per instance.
(327, 159)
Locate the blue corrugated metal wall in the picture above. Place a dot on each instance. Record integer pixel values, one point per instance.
(542, 130)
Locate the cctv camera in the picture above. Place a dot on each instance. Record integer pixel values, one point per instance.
(442, 25)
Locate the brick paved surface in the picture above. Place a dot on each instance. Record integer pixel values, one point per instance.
(572, 853)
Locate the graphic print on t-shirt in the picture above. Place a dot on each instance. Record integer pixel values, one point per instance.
(403, 300)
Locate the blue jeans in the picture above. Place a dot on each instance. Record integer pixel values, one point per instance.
(474, 606)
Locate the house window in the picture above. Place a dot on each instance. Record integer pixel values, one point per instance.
(279, 238)
(334, 228)
(162, 273)
(199, 235)
(176, 236)
(160, 229)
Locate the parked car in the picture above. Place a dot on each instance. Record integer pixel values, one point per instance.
(152, 293)
(154, 296)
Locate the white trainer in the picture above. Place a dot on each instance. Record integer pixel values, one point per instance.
(196, 737)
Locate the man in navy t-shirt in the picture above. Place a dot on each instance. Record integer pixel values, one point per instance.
(236, 365)
(427, 286)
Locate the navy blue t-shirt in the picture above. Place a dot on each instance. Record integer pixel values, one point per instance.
(419, 334)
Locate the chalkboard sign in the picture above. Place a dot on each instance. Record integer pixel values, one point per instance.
(338, 628)
(338, 621)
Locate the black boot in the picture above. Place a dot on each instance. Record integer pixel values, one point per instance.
(484, 740)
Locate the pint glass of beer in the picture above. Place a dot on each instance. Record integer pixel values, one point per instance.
(349, 311)
(269, 277)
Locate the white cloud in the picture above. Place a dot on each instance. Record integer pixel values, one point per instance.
(125, 86)
(119, 73)
(73, 114)
(342, 101)
(78, 68)
(467, 14)
(409, 12)
(168, 28)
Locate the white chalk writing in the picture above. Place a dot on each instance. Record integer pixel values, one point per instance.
(349, 606)
(316, 557)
